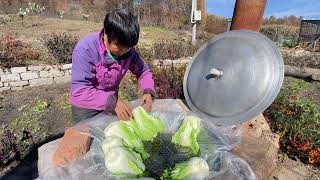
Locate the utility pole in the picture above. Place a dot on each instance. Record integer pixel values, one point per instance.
(195, 16)
(138, 4)
(248, 14)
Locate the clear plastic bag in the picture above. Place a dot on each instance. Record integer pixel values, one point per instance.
(214, 143)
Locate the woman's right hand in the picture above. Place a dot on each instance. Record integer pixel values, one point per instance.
(123, 110)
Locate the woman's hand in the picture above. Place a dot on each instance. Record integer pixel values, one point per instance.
(147, 102)
(123, 111)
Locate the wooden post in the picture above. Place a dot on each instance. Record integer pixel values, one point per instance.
(248, 14)
(203, 11)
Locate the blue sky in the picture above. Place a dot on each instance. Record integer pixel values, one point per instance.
(309, 9)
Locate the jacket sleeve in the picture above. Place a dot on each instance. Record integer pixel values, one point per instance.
(143, 73)
(83, 92)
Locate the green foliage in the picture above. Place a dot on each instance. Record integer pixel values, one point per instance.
(23, 12)
(287, 43)
(36, 8)
(61, 13)
(40, 106)
(64, 102)
(22, 132)
(84, 17)
(297, 121)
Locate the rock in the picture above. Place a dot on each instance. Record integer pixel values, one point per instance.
(36, 68)
(29, 75)
(19, 83)
(5, 84)
(18, 70)
(1, 84)
(259, 147)
(40, 82)
(316, 77)
(4, 89)
(52, 67)
(44, 74)
(16, 88)
(312, 70)
(143, 34)
(176, 63)
(66, 66)
(51, 73)
(10, 77)
(62, 80)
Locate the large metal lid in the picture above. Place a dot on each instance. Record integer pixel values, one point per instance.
(233, 77)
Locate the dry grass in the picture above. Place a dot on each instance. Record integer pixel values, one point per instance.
(36, 27)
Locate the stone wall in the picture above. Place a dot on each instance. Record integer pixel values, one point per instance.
(18, 78)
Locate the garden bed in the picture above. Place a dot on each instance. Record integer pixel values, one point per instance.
(28, 119)
(295, 116)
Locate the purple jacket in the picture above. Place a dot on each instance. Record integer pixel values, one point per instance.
(96, 76)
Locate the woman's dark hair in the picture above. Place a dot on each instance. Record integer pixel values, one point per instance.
(122, 26)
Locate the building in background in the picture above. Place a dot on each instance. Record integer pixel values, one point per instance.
(309, 35)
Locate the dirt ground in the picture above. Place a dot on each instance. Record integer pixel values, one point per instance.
(17, 112)
(55, 115)
(294, 170)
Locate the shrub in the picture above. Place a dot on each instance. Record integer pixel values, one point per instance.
(36, 8)
(7, 18)
(297, 120)
(22, 13)
(61, 14)
(173, 50)
(168, 81)
(129, 89)
(15, 53)
(278, 32)
(166, 49)
(61, 45)
(215, 24)
(145, 53)
(287, 43)
(84, 17)
(8, 147)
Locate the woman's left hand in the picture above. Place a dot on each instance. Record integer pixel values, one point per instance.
(147, 102)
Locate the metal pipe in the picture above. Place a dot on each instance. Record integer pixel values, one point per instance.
(248, 14)
(194, 23)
